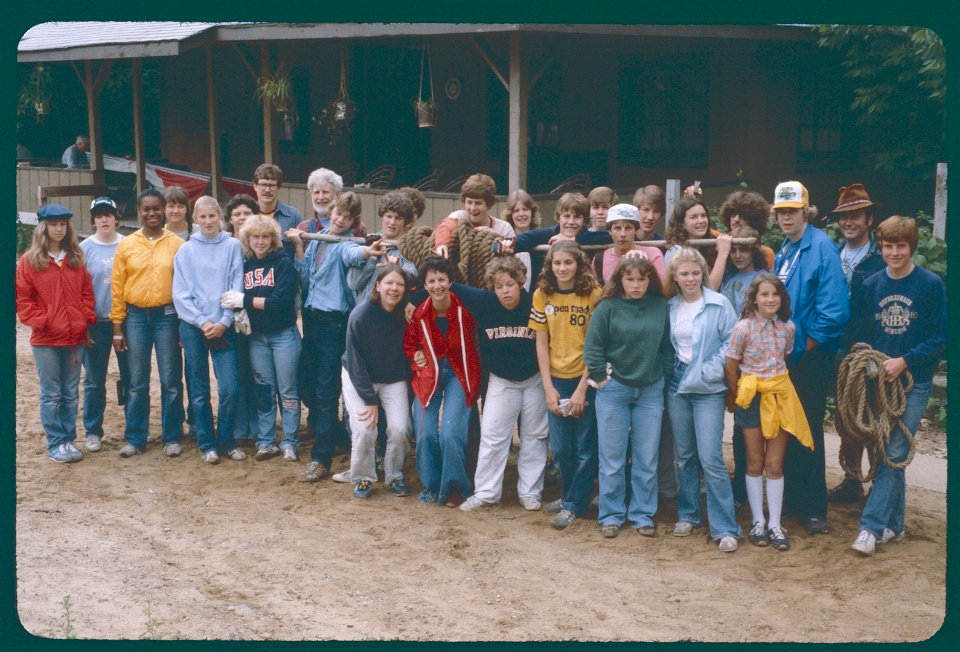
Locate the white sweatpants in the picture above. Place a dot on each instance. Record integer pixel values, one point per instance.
(396, 405)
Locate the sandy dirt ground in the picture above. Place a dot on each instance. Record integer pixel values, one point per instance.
(151, 547)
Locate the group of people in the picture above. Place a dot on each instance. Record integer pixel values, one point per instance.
(612, 359)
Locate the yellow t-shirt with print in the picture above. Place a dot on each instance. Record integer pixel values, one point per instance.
(564, 316)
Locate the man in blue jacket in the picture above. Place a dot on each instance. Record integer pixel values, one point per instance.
(809, 266)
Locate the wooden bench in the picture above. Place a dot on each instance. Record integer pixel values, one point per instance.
(46, 192)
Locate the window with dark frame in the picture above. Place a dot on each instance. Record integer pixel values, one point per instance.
(664, 112)
(826, 137)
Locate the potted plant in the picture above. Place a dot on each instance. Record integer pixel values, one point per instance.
(426, 108)
(276, 89)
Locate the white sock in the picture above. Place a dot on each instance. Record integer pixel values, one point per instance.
(755, 496)
(775, 500)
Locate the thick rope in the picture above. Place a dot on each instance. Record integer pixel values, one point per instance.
(868, 408)
(470, 250)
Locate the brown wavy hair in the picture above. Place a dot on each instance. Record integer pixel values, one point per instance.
(521, 197)
(750, 298)
(614, 285)
(750, 206)
(676, 232)
(583, 282)
(509, 265)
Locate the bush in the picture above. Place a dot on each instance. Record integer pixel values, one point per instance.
(24, 236)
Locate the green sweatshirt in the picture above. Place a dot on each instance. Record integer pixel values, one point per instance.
(633, 335)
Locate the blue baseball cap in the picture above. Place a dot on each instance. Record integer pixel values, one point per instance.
(53, 212)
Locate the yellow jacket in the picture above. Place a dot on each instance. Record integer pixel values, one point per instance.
(779, 406)
(142, 273)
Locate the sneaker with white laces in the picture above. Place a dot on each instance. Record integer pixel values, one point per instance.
(236, 455)
(342, 477)
(60, 454)
(400, 488)
(758, 534)
(210, 457)
(866, 543)
(314, 472)
(93, 443)
(74, 452)
(555, 506)
(778, 538)
(530, 503)
(267, 452)
(889, 535)
(471, 504)
(173, 449)
(683, 529)
(129, 450)
(363, 489)
(728, 544)
(289, 453)
(563, 519)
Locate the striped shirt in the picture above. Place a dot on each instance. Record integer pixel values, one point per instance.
(761, 345)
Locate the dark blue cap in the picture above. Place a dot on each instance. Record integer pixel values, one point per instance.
(53, 212)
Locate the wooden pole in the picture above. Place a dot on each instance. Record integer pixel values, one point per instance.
(519, 92)
(93, 123)
(212, 129)
(138, 148)
(940, 203)
(268, 144)
(673, 192)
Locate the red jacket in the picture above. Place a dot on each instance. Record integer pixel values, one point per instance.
(57, 303)
(459, 347)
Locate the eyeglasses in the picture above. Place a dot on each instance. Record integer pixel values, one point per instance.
(266, 185)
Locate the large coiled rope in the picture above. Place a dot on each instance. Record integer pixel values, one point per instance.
(470, 250)
(868, 408)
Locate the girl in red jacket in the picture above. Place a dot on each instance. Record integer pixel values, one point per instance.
(440, 343)
(55, 299)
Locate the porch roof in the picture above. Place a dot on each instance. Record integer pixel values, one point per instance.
(77, 41)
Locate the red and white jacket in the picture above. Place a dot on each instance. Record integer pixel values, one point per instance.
(57, 303)
(459, 347)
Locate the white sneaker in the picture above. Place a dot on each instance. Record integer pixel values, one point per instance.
(236, 455)
(173, 449)
(471, 504)
(889, 535)
(289, 453)
(866, 543)
(530, 503)
(210, 457)
(728, 544)
(554, 506)
(93, 443)
(342, 477)
(686, 528)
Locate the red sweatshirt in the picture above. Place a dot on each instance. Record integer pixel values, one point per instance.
(57, 303)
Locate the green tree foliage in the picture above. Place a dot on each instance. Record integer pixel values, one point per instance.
(899, 76)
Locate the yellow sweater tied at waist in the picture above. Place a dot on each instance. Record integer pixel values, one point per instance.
(779, 406)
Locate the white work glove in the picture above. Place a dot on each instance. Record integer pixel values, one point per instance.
(241, 322)
(232, 300)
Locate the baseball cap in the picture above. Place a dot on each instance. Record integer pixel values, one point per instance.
(790, 194)
(626, 212)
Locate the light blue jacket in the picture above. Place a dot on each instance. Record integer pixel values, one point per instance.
(203, 270)
(817, 289)
(711, 335)
(325, 285)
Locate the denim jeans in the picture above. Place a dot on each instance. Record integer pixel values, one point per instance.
(573, 441)
(697, 421)
(95, 360)
(886, 504)
(628, 417)
(275, 359)
(396, 404)
(247, 419)
(504, 402)
(804, 470)
(147, 329)
(325, 339)
(442, 443)
(59, 371)
(196, 354)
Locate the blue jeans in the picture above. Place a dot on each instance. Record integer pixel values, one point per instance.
(196, 355)
(628, 417)
(442, 447)
(59, 371)
(574, 445)
(325, 339)
(95, 360)
(697, 421)
(275, 358)
(147, 329)
(247, 419)
(886, 504)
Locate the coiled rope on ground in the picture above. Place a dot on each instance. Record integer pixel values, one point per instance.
(470, 250)
(868, 408)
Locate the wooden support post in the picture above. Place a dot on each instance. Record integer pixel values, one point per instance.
(212, 129)
(673, 192)
(940, 203)
(139, 153)
(93, 122)
(519, 92)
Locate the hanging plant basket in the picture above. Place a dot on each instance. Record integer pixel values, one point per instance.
(426, 108)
